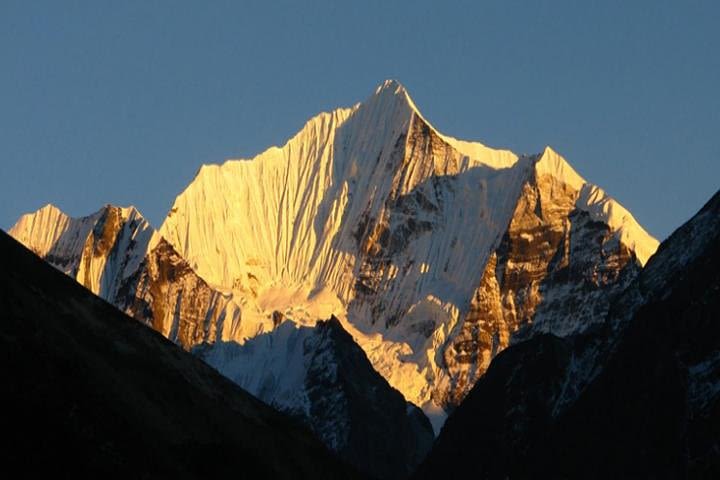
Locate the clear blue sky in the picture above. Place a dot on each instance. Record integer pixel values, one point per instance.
(121, 102)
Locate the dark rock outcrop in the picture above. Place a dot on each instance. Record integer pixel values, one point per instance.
(90, 393)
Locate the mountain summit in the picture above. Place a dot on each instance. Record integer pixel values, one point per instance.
(433, 253)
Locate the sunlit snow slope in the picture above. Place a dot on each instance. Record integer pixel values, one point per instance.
(433, 252)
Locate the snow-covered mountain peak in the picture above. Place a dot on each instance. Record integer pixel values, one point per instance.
(50, 209)
(129, 212)
(393, 93)
(391, 85)
(552, 163)
(628, 231)
(44, 228)
(82, 246)
(434, 253)
(401, 227)
(601, 207)
(370, 124)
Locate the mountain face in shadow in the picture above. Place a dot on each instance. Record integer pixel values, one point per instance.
(88, 391)
(326, 381)
(637, 397)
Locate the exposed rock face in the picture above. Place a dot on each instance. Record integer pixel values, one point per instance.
(637, 396)
(115, 254)
(556, 270)
(181, 306)
(92, 394)
(325, 379)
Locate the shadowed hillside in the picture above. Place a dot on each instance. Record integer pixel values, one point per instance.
(89, 391)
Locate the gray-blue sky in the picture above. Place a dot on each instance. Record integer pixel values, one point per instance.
(121, 102)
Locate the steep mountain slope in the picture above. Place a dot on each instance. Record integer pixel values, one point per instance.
(433, 252)
(88, 392)
(327, 381)
(637, 397)
(117, 255)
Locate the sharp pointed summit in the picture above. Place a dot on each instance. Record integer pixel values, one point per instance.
(391, 85)
(392, 91)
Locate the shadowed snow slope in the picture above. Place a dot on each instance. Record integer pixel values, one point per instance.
(321, 376)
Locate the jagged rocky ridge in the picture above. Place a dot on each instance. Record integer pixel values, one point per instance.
(635, 397)
(90, 393)
(434, 253)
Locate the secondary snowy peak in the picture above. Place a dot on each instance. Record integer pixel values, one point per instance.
(602, 208)
(552, 164)
(117, 255)
(78, 246)
(51, 233)
(40, 230)
(568, 250)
